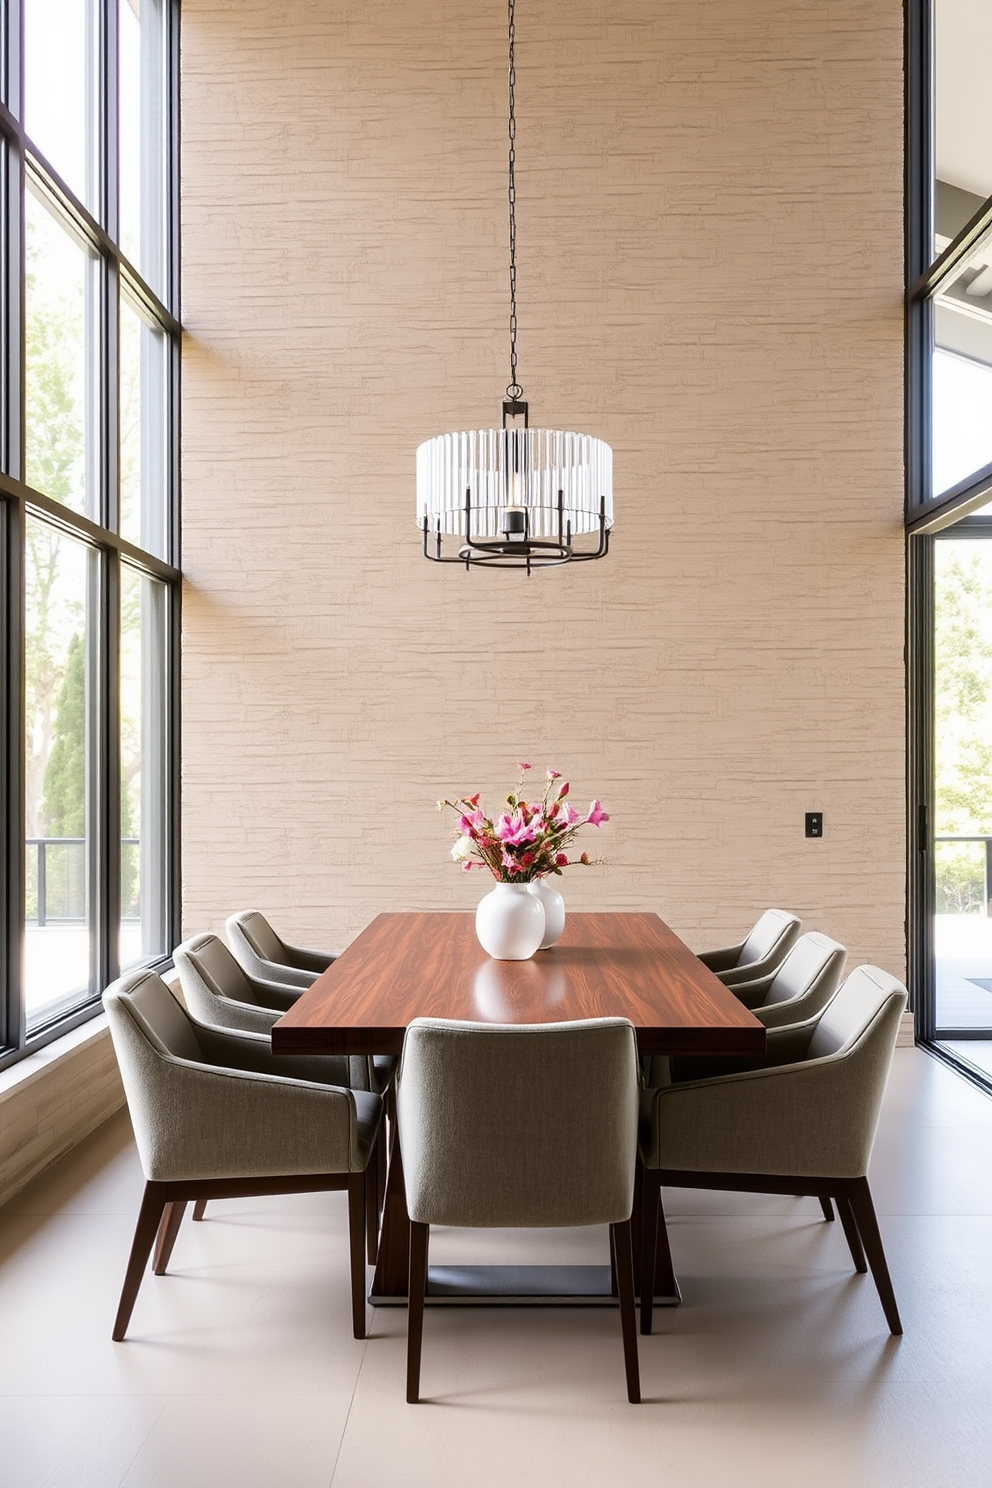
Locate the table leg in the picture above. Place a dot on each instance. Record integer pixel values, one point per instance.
(392, 1271)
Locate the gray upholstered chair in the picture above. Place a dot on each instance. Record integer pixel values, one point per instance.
(219, 992)
(217, 1115)
(803, 984)
(761, 953)
(264, 955)
(501, 1127)
(802, 1123)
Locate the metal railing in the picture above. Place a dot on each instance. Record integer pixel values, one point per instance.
(987, 840)
(74, 903)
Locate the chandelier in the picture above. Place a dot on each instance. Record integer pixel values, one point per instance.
(514, 497)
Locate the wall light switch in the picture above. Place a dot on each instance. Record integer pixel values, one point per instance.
(814, 824)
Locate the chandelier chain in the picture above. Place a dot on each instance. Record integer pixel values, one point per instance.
(514, 390)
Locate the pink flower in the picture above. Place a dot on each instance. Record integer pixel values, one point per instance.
(554, 774)
(514, 830)
(561, 861)
(563, 791)
(472, 824)
(523, 765)
(467, 867)
(570, 815)
(596, 814)
(527, 858)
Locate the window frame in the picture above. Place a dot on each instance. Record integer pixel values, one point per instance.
(100, 229)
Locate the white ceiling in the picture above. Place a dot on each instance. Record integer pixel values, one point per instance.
(964, 94)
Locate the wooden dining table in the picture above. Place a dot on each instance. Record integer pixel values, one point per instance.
(430, 964)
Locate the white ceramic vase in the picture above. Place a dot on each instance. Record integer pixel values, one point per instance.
(510, 922)
(554, 910)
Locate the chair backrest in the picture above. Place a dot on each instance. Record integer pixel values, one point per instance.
(206, 960)
(814, 958)
(147, 1023)
(526, 1125)
(854, 1007)
(775, 932)
(256, 930)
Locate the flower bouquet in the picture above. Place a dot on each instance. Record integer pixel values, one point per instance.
(521, 845)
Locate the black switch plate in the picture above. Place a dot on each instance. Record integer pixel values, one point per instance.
(814, 824)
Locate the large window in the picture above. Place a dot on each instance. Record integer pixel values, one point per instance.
(89, 567)
(949, 515)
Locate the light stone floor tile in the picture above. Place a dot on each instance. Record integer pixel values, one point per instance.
(240, 1370)
(255, 1441)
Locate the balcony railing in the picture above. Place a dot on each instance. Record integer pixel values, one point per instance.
(959, 884)
(59, 878)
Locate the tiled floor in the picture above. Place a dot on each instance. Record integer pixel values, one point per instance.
(240, 1370)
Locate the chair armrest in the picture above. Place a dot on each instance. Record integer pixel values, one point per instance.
(253, 1051)
(752, 992)
(782, 1046)
(768, 967)
(274, 995)
(206, 1121)
(314, 961)
(283, 975)
(721, 960)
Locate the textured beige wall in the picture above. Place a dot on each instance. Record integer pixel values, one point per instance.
(710, 260)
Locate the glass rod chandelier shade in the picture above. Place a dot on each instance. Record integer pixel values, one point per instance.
(514, 497)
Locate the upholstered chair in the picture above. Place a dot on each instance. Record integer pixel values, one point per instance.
(761, 953)
(525, 1125)
(802, 1123)
(219, 992)
(803, 984)
(264, 955)
(217, 1115)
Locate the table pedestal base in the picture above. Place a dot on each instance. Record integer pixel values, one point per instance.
(519, 1286)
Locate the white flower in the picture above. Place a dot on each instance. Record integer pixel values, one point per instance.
(462, 849)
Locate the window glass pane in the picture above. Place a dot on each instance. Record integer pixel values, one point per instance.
(963, 113)
(144, 838)
(962, 370)
(60, 390)
(143, 423)
(142, 137)
(59, 89)
(61, 584)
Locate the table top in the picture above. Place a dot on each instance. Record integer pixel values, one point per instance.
(404, 966)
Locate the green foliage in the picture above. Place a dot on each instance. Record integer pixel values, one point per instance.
(65, 772)
(963, 655)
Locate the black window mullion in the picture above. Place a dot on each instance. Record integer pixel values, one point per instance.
(12, 1016)
(105, 846)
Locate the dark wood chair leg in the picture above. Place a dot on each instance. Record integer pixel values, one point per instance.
(851, 1231)
(168, 1229)
(665, 1284)
(620, 1234)
(356, 1235)
(372, 1207)
(381, 1163)
(826, 1206)
(613, 1265)
(650, 1206)
(419, 1236)
(199, 1208)
(859, 1195)
(149, 1215)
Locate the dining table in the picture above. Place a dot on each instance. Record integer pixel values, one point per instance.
(626, 964)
